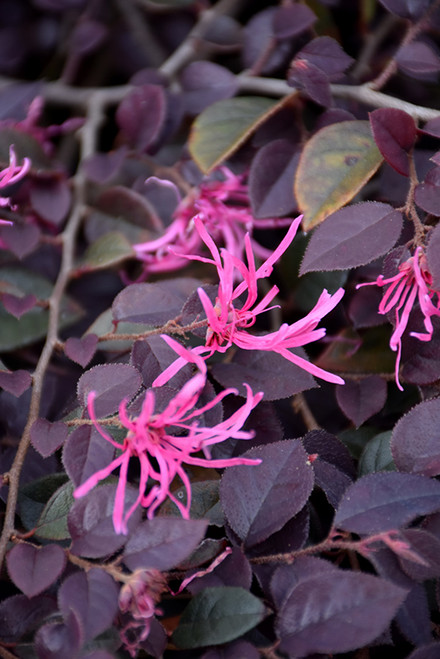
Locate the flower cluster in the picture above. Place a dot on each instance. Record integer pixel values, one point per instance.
(412, 282)
(10, 175)
(223, 206)
(229, 318)
(152, 439)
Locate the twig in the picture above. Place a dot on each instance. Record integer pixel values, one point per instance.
(142, 32)
(300, 406)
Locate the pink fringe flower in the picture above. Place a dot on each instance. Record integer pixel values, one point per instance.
(223, 206)
(229, 319)
(149, 439)
(11, 175)
(412, 282)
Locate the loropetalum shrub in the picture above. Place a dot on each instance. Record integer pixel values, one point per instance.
(193, 195)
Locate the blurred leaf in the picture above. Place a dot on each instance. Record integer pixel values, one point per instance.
(111, 383)
(417, 58)
(335, 164)
(361, 399)
(368, 352)
(34, 569)
(376, 455)
(224, 126)
(394, 132)
(33, 497)
(218, 615)
(111, 249)
(270, 179)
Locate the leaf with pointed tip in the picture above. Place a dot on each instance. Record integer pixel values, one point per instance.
(360, 399)
(81, 350)
(218, 615)
(111, 383)
(52, 523)
(141, 115)
(290, 20)
(15, 382)
(334, 165)
(376, 455)
(270, 179)
(86, 452)
(385, 501)
(414, 443)
(33, 569)
(310, 80)
(394, 132)
(327, 55)
(417, 58)
(224, 126)
(353, 236)
(47, 436)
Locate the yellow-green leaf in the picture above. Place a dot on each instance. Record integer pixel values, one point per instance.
(220, 129)
(110, 249)
(334, 165)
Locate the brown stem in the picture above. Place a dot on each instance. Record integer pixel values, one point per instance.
(300, 406)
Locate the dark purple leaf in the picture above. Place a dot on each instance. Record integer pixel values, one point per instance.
(234, 570)
(18, 306)
(151, 356)
(216, 616)
(85, 453)
(384, 501)
(352, 236)
(421, 360)
(258, 35)
(18, 614)
(81, 350)
(57, 639)
(333, 116)
(394, 132)
(156, 641)
(141, 115)
(287, 577)
(428, 197)
(51, 199)
(112, 383)
(336, 612)
(413, 617)
(205, 83)
(363, 307)
(21, 239)
(264, 371)
(93, 596)
(103, 167)
(259, 500)
(153, 304)
(425, 546)
(86, 36)
(270, 179)
(238, 650)
(34, 569)
(414, 443)
(311, 81)
(15, 382)
(163, 195)
(429, 651)
(432, 127)
(406, 8)
(128, 205)
(163, 542)
(91, 524)
(290, 537)
(326, 54)
(417, 58)
(291, 20)
(47, 437)
(432, 253)
(361, 399)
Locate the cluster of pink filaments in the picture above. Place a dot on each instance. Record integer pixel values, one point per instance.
(10, 175)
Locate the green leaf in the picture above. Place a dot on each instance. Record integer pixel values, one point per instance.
(111, 249)
(205, 502)
(218, 615)
(32, 326)
(104, 325)
(32, 497)
(52, 523)
(356, 353)
(334, 165)
(220, 129)
(376, 455)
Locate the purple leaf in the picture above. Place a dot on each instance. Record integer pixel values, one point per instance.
(287, 577)
(103, 167)
(151, 356)
(426, 547)
(394, 132)
(414, 443)
(91, 524)
(353, 236)
(237, 650)
(336, 612)
(432, 127)
(153, 304)
(258, 35)
(291, 20)
(18, 306)
(421, 360)
(384, 501)
(270, 179)
(234, 570)
(162, 543)
(51, 199)
(93, 596)
(47, 437)
(21, 239)
(86, 36)
(60, 639)
(427, 196)
(432, 252)
(428, 651)
(360, 399)
(141, 116)
(363, 307)
(290, 537)
(18, 614)
(85, 452)
(15, 382)
(326, 54)
(406, 8)
(81, 350)
(311, 81)
(112, 383)
(258, 501)
(205, 83)
(417, 58)
(34, 569)
(264, 371)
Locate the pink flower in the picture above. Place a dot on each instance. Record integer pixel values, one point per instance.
(412, 282)
(223, 206)
(11, 175)
(161, 454)
(229, 318)
(139, 597)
